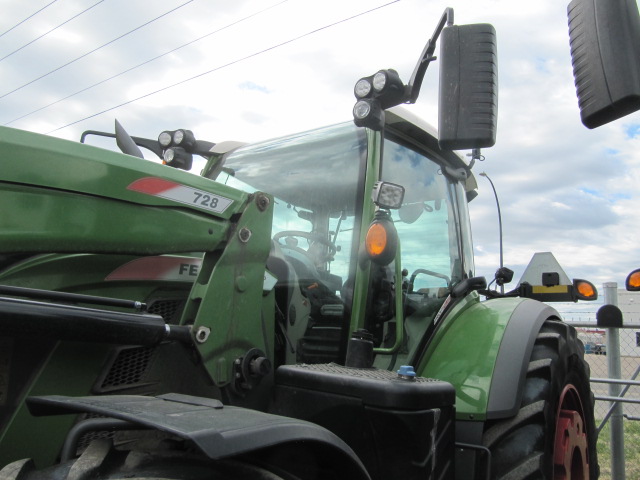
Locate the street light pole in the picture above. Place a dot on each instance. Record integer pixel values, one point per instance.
(495, 194)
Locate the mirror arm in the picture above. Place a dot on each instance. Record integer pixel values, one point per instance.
(412, 90)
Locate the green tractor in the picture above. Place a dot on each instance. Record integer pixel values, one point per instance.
(306, 308)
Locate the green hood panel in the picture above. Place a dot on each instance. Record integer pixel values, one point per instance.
(50, 162)
(71, 197)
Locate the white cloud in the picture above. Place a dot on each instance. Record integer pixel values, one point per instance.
(562, 188)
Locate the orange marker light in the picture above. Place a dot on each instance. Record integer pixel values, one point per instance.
(633, 281)
(586, 289)
(376, 240)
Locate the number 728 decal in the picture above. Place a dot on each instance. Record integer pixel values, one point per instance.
(159, 187)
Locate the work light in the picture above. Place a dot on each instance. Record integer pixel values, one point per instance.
(362, 88)
(387, 195)
(164, 139)
(177, 157)
(367, 113)
(184, 139)
(374, 94)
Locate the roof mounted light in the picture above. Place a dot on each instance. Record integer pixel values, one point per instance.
(367, 113)
(164, 139)
(177, 157)
(363, 88)
(374, 94)
(379, 81)
(184, 139)
(387, 195)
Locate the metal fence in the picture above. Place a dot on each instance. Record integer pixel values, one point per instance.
(614, 357)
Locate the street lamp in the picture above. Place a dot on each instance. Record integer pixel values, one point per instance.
(483, 174)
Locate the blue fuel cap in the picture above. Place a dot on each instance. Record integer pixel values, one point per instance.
(407, 372)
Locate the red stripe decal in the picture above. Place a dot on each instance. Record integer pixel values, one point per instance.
(183, 269)
(152, 185)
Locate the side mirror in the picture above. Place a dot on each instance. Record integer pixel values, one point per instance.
(468, 102)
(605, 51)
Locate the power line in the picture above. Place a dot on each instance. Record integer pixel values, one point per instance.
(95, 49)
(146, 62)
(255, 54)
(54, 28)
(30, 16)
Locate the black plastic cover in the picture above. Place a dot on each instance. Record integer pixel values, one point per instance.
(374, 387)
(399, 428)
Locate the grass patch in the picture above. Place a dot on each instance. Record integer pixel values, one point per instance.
(631, 450)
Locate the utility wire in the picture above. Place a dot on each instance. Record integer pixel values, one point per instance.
(30, 16)
(95, 49)
(255, 54)
(145, 62)
(54, 28)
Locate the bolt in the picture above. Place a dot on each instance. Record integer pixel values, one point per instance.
(244, 234)
(262, 201)
(202, 334)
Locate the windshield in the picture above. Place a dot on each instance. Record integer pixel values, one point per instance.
(315, 178)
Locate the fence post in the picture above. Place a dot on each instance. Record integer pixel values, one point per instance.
(615, 371)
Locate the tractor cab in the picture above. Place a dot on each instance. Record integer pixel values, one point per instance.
(322, 182)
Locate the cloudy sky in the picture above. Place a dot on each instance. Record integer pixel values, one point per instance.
(251, 70)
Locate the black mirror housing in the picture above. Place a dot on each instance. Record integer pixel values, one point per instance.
(468, 101)
(605, 49)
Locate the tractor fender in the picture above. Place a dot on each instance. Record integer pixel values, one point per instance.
(513, 357)
(483, 350)
(219, 431)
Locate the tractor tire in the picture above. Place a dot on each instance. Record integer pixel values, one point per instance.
(553, 436)
(101, 461)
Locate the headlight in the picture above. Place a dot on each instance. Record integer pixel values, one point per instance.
(169, 155)
(379, 81)
(184, 139)
(367, 113)
(178, 136)
(177, 157)
(362, 88)
(164, 139)
(361, 109)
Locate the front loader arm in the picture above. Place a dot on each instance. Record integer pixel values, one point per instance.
(230, 317)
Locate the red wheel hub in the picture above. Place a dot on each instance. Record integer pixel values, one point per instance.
(570, 451)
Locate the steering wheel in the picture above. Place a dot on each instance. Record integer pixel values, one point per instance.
(312, 237)
(426, 272)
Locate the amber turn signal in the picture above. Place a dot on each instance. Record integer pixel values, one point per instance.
(381, 241)
(584, 290)
(633, 281)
